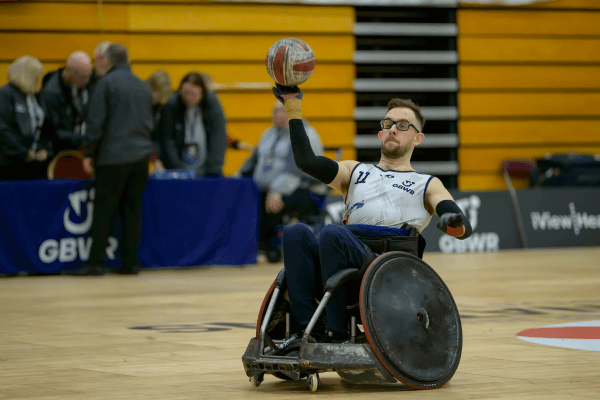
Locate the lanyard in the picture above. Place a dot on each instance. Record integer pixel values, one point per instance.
(271, 155)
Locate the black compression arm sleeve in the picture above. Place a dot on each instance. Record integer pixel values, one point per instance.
(319, 167)
(449, 206)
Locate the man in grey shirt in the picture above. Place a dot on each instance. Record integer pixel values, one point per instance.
(285, 189)
(117, 148)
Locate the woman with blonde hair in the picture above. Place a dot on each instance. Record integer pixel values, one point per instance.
(24, 145)
(160, 84)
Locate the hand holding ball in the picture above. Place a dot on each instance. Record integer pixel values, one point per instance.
(290, 62)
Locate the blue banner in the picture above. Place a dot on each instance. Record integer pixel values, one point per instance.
(207, 221)
(45, 225)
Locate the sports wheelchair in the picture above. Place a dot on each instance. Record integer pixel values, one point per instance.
(411, 330)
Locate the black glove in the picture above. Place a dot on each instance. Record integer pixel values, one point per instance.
(451, 224)
(279, 90)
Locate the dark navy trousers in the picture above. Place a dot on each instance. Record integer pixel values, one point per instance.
(309, 260)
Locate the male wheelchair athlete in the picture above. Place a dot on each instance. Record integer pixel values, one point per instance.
(411, 326)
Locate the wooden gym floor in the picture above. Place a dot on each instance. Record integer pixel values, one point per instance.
(180, 334)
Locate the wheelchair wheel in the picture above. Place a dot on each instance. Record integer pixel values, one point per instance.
(276, 328)
(411, 320)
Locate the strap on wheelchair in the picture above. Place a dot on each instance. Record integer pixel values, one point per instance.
(413, 243)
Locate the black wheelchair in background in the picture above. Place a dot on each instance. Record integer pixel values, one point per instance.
(411, 330)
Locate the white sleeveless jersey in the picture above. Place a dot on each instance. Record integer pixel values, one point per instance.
(386, 198)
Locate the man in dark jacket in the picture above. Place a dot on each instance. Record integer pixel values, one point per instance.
(118, 140)
(65, 97)
(193, 129)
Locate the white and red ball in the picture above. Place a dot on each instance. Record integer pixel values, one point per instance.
(290, 61)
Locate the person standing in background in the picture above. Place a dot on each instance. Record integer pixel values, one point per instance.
(24, 141)
(65, 97)
(117, 147)
(101, 63)
(160, 84)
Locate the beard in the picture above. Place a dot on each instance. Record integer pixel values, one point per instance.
(397, 152)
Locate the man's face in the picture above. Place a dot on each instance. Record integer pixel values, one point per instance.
(191, 94)
(81, 76)
(280, 118)
(101, 64)
(395, 143)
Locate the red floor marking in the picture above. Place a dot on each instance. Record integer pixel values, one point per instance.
(572, 332)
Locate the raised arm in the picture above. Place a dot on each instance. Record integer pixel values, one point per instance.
(332, 173)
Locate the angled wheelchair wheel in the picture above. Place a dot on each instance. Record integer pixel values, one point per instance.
(263, 308)
(276, 329)
(411, 320)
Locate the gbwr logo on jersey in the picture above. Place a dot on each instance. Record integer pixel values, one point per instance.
(405, 186)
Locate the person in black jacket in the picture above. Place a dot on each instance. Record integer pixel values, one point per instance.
(24, 142)
(118, 141)
(193, 129)
(65, 97)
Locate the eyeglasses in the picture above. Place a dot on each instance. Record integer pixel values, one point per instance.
(402, 125)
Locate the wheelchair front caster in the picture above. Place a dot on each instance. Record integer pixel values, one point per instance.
(313, 381)
(256, 380)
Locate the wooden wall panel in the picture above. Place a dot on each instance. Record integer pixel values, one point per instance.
(62, 17)
(478, 133)
(336, 133)
(491, 181)
(528, 50)
(200, 2)
(235, 158)
(578, 4)
(521, 105)
(539, 77)
(234, 75)
(255, 105)
(332, 134)
(165, 47)
(490, 159)
(549, 4)
(349, 153)
(233, 48)
(526, 22)
(52, 46)
(529, 85)
(240, 18)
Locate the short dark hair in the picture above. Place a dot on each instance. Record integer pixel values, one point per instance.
(195, 78)
(407, 103)
(117, 53)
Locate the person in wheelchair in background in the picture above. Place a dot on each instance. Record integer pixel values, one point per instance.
(382, 200)
(286, 191)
